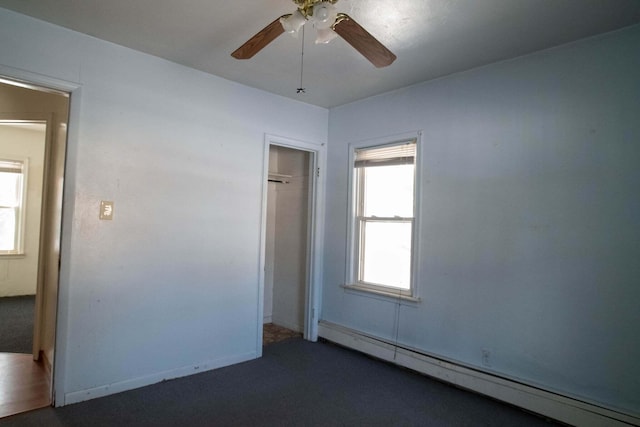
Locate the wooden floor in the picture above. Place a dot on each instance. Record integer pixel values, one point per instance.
(24, 384)
(273, 333)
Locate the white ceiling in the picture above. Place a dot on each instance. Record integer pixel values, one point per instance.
(431, 38)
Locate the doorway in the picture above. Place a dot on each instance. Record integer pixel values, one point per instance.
(286, 249)
(22, 149)
(33, 130)
(290, 250)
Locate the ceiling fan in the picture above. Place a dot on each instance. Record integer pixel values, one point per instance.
(328, 23)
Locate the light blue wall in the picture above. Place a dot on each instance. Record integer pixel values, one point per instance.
(530, 242)
(172, 282)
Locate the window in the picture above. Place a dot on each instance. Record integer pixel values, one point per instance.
(383, 214)
(12, 201)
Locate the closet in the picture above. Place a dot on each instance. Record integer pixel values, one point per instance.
(286, 248)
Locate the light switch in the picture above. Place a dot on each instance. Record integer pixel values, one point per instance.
(106, 209)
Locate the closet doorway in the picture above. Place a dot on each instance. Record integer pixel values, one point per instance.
(290, 245)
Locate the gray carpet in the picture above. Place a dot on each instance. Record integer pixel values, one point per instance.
(16, 324)
(295, 383)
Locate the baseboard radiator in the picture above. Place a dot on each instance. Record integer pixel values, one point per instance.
(548, 404)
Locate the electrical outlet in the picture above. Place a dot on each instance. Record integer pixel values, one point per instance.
(486, 357)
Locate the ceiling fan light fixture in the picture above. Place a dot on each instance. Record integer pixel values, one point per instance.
(293, 22)
(324, 15)
(325, 35)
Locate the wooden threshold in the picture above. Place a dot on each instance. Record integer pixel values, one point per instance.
(24, 384)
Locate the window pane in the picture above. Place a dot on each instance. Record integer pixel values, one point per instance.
(388, 191)
(7, 229)
(10, 201)
(10, 189)
(386, 254)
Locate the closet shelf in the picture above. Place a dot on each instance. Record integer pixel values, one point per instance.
(279, 177)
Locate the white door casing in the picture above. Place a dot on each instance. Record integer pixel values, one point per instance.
(315, 227)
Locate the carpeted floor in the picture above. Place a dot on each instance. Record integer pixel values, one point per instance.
(16, 324)
(295, 383)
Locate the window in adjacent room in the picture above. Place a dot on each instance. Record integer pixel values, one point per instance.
(384, 216)
(12, 201)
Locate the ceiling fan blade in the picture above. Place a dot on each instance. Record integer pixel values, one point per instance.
(363, 42)
(256, 43)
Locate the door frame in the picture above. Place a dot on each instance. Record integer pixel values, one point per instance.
(315, 234)
(65, 172)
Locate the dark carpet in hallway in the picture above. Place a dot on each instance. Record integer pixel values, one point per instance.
(16, 324)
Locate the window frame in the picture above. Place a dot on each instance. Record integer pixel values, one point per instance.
(355, 238)
(21, 209)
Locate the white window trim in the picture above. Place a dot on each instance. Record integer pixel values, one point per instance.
(22, 215)
(351, 282)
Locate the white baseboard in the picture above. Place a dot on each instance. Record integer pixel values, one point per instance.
(118, 387)
(546, 403)
(267, 319)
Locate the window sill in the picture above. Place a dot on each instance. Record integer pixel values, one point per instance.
(386, 295)
(12, 256)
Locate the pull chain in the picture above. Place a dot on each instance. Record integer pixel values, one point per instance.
(301, 89)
